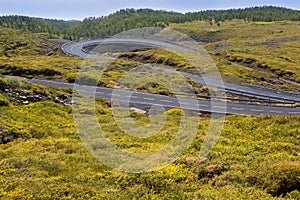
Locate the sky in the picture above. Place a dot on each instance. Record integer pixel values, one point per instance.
(80, 9)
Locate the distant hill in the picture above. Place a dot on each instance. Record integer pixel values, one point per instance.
(131, 18)
(124, 20)
(59, 24)
(19, 43)
(26, 24)
(73, 20)
(36, 25)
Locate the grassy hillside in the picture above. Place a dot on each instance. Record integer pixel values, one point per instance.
(130, 18)
(15, 43)
(263, 53)
(36, 25)
(258, 52)
(255, 158)
(31, 55)
(127, 19)
(34, 56)
(60, 25)
(43, 157)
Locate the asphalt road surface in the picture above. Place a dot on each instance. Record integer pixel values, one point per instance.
(143, 100)
(76, 49)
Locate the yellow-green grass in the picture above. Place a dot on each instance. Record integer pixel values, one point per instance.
(25, 54)
(274, 47)
(67, 68)
(159, 56)
(255, 158)
(34, 66)
(15, 42)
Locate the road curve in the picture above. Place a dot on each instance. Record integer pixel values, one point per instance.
(76, 49)
(143, 100)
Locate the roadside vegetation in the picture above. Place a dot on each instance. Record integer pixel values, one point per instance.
(43, 157)
(17, 43)
(34, 56)
(255, 158)
(246, 50)
(127, 19)
(262, 53)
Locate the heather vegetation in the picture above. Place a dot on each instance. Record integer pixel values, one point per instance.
(263, 53)
(15, 42)
(255, 158)
(43, 157)
(242, 42)
(127, 19)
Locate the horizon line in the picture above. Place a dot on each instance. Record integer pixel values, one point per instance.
(154, 9)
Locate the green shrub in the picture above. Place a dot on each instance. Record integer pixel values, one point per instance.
(284, 177)
(87, 79)
(71, 77)
(248, 60)
(7, 136)
(175, 112)
(294, 195)
(239, 59)
(3, 84)
(50, 72)
(13, 83)
(232, 58)
(4, 101)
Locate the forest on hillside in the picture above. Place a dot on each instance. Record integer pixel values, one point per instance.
(255, 157)
(127, 19)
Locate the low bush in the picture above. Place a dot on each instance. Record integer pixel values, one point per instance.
(284, 177)
(3, 84)
(4, 101)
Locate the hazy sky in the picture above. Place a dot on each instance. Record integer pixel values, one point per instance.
(79, 9)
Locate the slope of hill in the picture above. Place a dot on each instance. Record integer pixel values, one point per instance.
(26, 24)
(42, 158)
(32, 54)
(16, 42)
(132, 18)
(60, 25)
(260, 52)
(124, 20)
(36, 25)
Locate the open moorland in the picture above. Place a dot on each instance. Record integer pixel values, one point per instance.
(42, 155)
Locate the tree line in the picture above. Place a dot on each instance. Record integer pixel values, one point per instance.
(127, 19)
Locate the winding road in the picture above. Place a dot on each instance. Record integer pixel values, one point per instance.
(144, 101)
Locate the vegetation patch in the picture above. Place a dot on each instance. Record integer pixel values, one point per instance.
(255, 156)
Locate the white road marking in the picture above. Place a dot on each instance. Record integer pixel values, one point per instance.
(257, 110)
(122, 100)
(218, 107)
(237, 108)
(166, 101)
(203, 105)
(148, 98)
(294, 112)
(275, 111)
(189, 108)
(184, 103)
